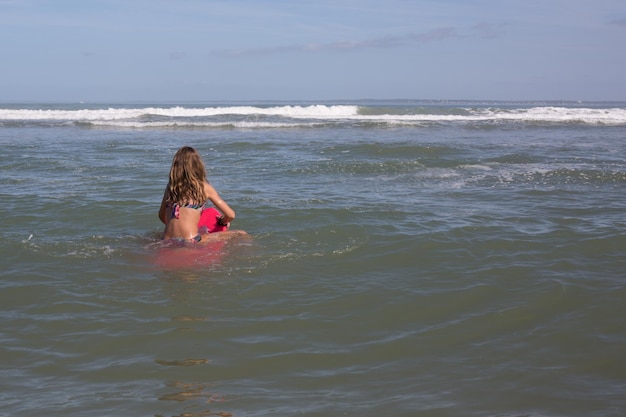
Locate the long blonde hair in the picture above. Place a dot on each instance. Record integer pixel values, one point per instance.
(187, 178)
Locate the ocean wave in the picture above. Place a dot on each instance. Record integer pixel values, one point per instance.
(560, 115)
(261, 117)
(201, 125)
(313, 111)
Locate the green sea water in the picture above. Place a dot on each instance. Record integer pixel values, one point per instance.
(406, 259)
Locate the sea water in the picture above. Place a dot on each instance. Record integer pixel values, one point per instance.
(407, 258)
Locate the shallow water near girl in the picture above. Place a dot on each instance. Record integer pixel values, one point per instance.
(407, 258)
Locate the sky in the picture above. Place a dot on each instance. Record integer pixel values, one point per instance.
(236, 50)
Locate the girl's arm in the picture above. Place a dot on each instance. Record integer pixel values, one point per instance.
(229, 214)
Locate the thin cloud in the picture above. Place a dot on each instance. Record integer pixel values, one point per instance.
(488, 30)
(389, 41)
(619, 22)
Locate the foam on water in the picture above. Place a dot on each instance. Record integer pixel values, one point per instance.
(316, 111)
(292, 116)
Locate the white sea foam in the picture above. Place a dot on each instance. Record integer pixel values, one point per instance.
(560, 114)
(200, 125)
(191, 116)
(314, 111)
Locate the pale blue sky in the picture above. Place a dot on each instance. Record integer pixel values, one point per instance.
(124, 50)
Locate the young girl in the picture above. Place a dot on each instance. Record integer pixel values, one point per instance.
(186, 195)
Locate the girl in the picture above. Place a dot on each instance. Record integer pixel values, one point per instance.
(186, 195)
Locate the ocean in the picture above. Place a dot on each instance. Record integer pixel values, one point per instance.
(406, 258)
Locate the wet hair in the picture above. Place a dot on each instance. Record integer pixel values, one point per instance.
(187, 178)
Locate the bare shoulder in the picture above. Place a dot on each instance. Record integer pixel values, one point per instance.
(208, 188)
